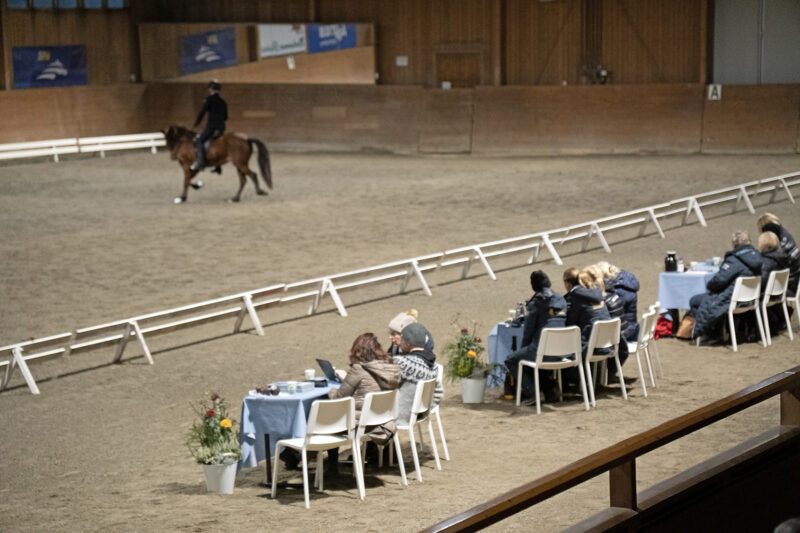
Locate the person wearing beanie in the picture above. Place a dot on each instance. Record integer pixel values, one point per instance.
(397, 325)
(546, 309)
(417, 363)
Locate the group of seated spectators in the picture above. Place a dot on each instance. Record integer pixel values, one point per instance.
(776, 250)
(596, 292)
(408, 360)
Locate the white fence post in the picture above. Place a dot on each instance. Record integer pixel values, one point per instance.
(482, 259)
(785, 188)
(551, 249)
(654, 218)
(691, 206)
(248, 309)
(132, 327)
(19, 360)
(744, 196)
(413, 269)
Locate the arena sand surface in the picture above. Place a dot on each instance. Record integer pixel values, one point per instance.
(89, 241)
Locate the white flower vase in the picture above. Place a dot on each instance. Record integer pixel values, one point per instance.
(220, 478)
(472, 390)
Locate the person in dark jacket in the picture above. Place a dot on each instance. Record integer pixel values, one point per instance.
(711, 306)
(545, 309)
(217, 111)
(585, 304)
(625, 285)
(770, 222)
(774, 259)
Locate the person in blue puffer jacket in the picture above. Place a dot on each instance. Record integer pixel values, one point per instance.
(625, 285)
(770, 222)
(711, 306)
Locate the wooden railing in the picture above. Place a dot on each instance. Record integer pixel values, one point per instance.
(619, 460)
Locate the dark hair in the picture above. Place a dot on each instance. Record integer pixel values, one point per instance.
(539, 281)
(571, 276)
(366, 348)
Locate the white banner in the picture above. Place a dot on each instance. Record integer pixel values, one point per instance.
(281, 39)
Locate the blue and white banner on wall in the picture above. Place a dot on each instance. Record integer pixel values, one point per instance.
(205, 51)
(49, 66)
(328, 37)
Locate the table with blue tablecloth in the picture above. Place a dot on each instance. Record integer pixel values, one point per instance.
(272, 418)
(675, 289)
(499, 343)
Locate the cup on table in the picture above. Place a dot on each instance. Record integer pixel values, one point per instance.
(291, 387)
(309, 374)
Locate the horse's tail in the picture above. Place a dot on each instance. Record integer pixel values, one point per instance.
(263, 161)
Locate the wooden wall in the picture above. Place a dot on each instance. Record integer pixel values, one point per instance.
(107, 35)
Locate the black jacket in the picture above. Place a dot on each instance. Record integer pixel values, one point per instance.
(626, 285)
(217, 111)
(710, 307)
(773, 260)
(584, 308)
(547, 309)
(790, 248)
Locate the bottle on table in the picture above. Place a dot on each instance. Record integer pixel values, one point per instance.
(671, 262)
(681, 265)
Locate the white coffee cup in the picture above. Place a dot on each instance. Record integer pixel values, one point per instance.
(309, 374)
(291, 387)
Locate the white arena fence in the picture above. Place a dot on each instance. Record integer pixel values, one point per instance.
(675, 213)
(57, 147)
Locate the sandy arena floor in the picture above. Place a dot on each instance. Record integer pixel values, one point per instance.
(89, 241)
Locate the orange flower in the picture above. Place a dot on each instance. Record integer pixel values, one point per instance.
(225, 423)
(472, 354)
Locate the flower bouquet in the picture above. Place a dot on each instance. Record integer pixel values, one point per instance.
(212, 439)
(464, 356)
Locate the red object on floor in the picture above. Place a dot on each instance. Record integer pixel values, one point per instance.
(663, 327)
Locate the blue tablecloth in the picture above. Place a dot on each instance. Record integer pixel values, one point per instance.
(498, 344)
(280, 416)
(675, 289)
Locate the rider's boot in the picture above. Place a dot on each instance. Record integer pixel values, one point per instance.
(199, 162)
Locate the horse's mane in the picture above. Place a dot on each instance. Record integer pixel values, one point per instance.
(176, 133)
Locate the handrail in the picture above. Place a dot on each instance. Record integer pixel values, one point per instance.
(623, 452)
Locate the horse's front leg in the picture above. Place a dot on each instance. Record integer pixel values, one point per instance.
(187, 181)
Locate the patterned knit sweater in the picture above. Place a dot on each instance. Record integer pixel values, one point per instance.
(416, 366)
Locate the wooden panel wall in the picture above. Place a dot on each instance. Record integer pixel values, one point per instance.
(41, 114)
(107, 36)
(762, 119)
(218, 11)
(581, 119)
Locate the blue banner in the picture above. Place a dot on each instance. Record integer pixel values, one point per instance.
(328, 37)
(49, 66)
(205, 51)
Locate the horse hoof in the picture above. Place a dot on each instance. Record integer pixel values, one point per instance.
(177, 200)
(197, 185)
(234, 200)
(262, 193)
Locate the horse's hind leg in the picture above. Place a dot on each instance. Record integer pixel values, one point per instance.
(242, 181)
(254, 177)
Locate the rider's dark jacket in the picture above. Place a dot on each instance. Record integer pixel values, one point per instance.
(217, 111)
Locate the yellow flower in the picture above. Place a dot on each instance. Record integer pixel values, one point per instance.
(472, 354)
(225, 423)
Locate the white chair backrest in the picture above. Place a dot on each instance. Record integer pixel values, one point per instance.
(559, 342)
(423, 396)
(379, 408)
(648, 325)
(746, 291)
(605, 333)
(330, 417)
(776, 285)
(440, 375)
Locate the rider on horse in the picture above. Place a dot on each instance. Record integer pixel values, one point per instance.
(217, 111)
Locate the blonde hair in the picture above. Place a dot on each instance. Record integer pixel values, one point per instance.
(767, 218)
(591, 277)
(413, 312)
(608, 270)
(739, 238)
(767, 241)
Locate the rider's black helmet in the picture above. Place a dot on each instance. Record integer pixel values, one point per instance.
(215, 85)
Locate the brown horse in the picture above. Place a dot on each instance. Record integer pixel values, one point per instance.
(230, 147)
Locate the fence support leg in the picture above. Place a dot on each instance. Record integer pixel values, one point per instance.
(413, 269)
(693, 206)
(551, 249)
(19, 361)
(534, 254)
(596, 229)
(622, 485)
(485, 263)
(335, 297)
(785, 188)
(123, 342)
(744, 196)
(654, 218)
(142, 343)
(248, 308)
(790, 407)
(467, 265)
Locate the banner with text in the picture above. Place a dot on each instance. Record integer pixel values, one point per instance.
(49, 66)
(281, 39)
(328, 37)
(206, 51)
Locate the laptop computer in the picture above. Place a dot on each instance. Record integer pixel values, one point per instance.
(328, 370)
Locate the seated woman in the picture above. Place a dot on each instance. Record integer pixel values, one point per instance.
(371, 370)
(770, 222)
(774, 259)
(417, 363)
(626, 286)
(546, 309)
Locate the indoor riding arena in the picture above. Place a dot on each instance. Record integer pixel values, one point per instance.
(422, 154)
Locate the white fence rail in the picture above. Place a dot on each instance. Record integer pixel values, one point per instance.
(246, 304)
(57, 147)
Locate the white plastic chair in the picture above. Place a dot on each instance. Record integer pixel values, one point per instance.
(331, 424)
(435, 412)
(745, 298)
(555, 342)
(794, 301)
(651, 342)
(420, 411)
(605, 334)
(775, 294)
(642, 348)
(380, 408)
